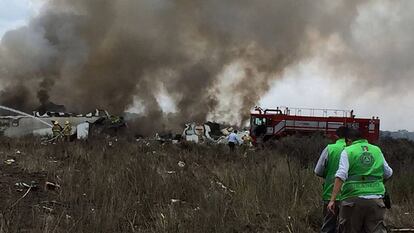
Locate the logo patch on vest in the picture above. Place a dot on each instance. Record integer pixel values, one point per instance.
(366, 159)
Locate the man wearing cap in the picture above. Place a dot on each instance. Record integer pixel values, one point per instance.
(361, 174)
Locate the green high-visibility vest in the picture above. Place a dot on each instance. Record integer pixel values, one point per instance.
(334, 155)
(366, 170)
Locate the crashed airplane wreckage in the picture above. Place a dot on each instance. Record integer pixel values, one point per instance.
(213, 132)
(21, 124)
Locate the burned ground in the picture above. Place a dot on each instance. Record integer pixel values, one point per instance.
(143, 186)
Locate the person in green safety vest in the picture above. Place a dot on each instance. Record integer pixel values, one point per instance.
(326, 168)
(360, 181)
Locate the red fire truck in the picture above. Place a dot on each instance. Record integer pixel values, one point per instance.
(268, 124)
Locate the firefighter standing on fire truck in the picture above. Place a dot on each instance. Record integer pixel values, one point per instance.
(326, 168)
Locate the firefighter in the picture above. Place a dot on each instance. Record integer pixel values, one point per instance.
(360, 181)
(67, 131)
(115, 120)
(326, 168)
(56, 129)
(247, 140)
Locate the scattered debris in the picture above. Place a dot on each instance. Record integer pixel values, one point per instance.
(38, 124)
(9, 161)
(185, 204)
(47, 209)
(403, 230)
(24, 195)
(51, 186)
(198, 133)
(53, 203)
(82, 130)
(181, 164)
(225, 188)
(68, 218)
(214, 133)
(22, 185)
(175, 201)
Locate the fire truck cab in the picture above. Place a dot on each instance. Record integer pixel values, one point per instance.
(266, 124)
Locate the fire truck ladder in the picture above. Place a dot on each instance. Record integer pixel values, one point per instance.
(307, 112)
(316, 112)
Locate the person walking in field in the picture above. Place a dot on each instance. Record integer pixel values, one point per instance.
(361, 175)
(326, 168)
(232, 140)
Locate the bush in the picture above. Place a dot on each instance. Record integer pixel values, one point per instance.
(148, 187)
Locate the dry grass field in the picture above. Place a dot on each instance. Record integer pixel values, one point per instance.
(143, 186)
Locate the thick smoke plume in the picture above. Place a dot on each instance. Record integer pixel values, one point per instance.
(89, 54)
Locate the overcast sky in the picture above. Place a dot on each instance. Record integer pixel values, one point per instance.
(15, 13)
(310, 83)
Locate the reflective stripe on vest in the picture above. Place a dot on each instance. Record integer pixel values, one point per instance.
(364, 178)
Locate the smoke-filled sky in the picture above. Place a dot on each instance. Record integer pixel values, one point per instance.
(198, 59)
